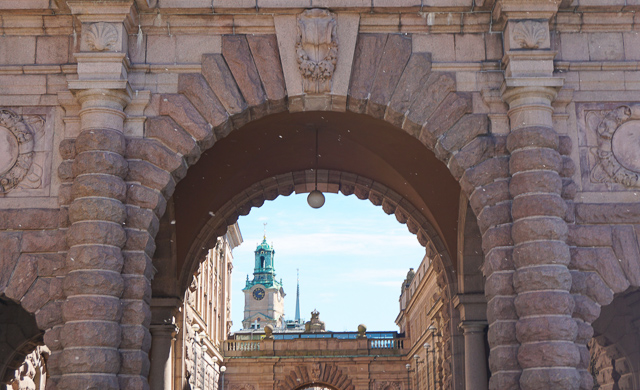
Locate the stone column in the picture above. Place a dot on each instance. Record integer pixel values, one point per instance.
(92, 336)
(545, 328)
(160, 375)
(475, 356)
(93, 287)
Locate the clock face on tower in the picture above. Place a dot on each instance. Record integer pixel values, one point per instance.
(258, 293)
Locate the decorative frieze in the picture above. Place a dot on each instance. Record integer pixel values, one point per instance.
(317, 49)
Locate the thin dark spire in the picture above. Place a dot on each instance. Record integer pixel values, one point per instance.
(298, 297)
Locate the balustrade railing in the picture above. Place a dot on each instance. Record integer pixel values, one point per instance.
(395, 343)
(242, 345)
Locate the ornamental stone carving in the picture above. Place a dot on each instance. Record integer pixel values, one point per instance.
(617, 153)
(317, 49)
(388, 386)
(16, 150)
(529, 34)
(102, 37)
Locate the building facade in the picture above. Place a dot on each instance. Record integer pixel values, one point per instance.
(187, 337)
(133, 133)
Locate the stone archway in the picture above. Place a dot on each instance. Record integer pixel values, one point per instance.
(506, 178)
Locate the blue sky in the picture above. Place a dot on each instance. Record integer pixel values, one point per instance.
(352, 259)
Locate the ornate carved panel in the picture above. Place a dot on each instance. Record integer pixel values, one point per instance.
(610, 147)
(317, 49)
(530, 34)
(25, 152)
(102, 37)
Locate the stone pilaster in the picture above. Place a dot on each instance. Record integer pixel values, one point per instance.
(475, 357)
(545, 328)
(473, 317)
(160, 374)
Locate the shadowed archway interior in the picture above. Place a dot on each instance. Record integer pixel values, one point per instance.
(285, 142)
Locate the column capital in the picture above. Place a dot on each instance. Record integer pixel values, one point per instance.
(471, 327)
(506, 10)
(164, 330)
(472, 307)
(112, 11)
(535, 90)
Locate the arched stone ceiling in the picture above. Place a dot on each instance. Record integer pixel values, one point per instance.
(284, 143)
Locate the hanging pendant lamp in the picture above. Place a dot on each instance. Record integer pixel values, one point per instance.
(316, 198)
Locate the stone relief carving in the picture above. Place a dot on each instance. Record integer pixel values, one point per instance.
(17, 138)
(529, 34)
(315, 371)
(618, 150)
(102, 37)
(388, 386)
(317, 49)
(31, 375)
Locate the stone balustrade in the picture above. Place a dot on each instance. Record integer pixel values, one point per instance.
(316, 346)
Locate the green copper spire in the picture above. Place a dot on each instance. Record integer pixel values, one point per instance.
(264, 271)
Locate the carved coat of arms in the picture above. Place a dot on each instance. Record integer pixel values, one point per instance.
(317, 49)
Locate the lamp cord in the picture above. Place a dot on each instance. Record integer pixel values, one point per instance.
(316, 159)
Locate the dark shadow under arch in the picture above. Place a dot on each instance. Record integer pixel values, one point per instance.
(19, 336)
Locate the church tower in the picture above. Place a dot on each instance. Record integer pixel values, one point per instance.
(264, 295)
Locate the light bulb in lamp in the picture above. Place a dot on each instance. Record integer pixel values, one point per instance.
(315, 199)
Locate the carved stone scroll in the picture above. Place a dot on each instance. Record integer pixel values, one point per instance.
(317, 49)
(16, 150)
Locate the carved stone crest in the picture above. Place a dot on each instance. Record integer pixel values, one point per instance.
(16, 150)
(529, 34)
(102, 36)
(316, 370)
(317, 49)
(388, 386)
(618, 151)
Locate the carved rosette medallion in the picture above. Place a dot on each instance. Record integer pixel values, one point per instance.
(102, 37)
(618, 152)
(317, 49)
(530, 34)
(16, 150)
